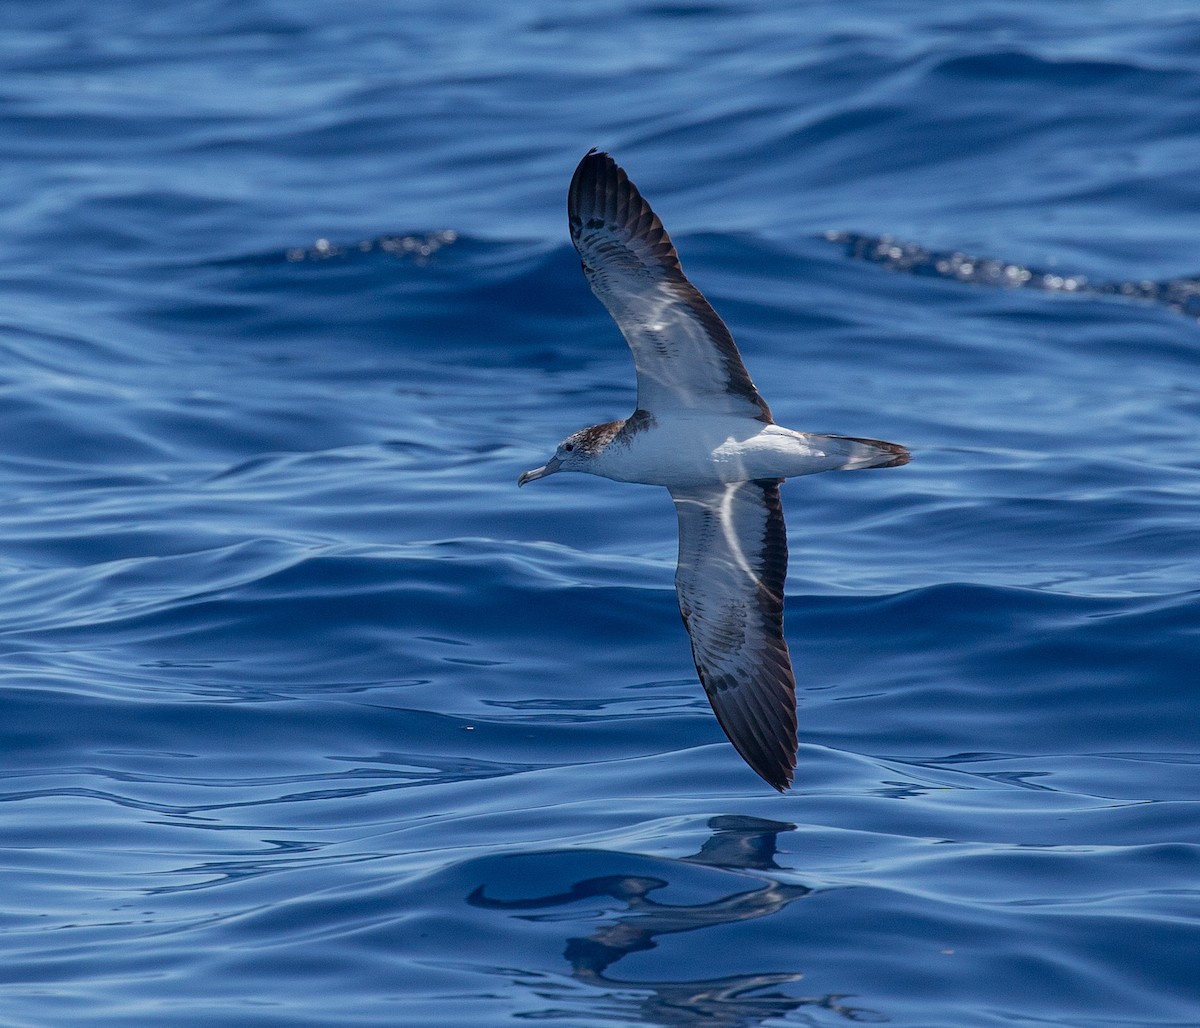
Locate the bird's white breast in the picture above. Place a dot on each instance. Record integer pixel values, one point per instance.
(692, 451)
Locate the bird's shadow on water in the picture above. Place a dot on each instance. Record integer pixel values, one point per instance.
(738, 843)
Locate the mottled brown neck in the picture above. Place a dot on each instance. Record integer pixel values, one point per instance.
(596, 438)
(593, 440)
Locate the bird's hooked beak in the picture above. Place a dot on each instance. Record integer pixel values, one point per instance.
(551, 466)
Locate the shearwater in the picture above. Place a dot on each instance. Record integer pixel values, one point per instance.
(702, 430)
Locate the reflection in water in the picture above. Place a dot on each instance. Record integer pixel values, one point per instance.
(740, 843)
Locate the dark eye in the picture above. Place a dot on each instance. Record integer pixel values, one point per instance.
(568, 447)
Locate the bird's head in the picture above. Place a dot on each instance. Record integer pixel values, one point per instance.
(573, 454)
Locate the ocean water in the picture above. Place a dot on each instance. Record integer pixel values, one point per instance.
(310, 718)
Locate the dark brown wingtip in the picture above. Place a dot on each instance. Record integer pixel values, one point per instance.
(776, 769)
(595, 175)
(774, 761)
(764, 737)
(781, 780)
(601, 195)
(587, 167)
(777, 774)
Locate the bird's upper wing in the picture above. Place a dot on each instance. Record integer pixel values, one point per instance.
(684, 354)
(732, 565)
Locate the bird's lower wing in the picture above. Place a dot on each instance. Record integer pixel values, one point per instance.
(732, 566)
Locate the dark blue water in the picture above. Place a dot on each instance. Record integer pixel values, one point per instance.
(311, 719)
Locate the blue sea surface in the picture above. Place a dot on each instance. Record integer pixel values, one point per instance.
(310, 718)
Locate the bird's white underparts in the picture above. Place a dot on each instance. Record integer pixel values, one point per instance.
(702, 430)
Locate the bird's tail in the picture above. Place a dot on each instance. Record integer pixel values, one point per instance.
(861, 454)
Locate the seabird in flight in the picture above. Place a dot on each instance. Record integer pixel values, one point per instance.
(702, 430)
